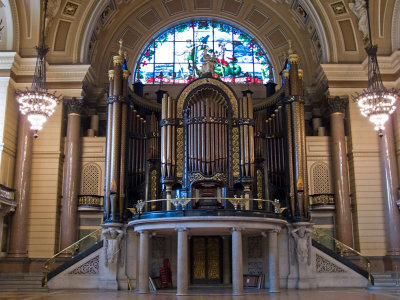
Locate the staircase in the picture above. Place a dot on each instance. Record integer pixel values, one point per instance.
(21, 282)
(387, 280)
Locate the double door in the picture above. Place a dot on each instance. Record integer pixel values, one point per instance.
(206, 259)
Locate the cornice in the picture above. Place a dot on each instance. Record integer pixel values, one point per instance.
(356, 75)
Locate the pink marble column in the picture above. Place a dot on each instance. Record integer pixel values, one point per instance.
(22, 179)
(344, 226)
(390, 186)
(71, 184)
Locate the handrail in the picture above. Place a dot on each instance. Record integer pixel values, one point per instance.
(343, 249)
(237, 202)
(69, 252)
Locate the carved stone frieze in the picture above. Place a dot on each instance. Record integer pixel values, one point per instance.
(90, 267)
(325, 266)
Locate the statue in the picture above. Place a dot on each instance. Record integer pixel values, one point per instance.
(208, 63)
(112, 241)
(302, 237)
(359, 9)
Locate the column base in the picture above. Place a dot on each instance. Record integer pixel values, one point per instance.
(18, 254)
(274, 291)
(391, 262)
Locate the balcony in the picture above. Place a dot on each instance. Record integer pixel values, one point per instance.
(322, 201)
(206, 207)
(90, 202)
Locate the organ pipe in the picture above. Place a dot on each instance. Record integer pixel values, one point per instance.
(168, 137)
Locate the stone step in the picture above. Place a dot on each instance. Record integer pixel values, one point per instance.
(26, 282)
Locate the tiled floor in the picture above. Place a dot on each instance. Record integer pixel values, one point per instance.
(321, 294)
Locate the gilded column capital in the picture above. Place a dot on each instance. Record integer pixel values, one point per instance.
(294, 58)
(125, 74)
(285, 73)
(117, 60)
(301, 73)
(74, 105)
(337, 104)
(110, 74)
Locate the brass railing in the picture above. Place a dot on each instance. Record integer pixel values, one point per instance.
(238, 203)
(322, 199)
(343, 250)
(71, 251)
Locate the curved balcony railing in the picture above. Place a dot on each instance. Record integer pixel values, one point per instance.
(90, 202)
(220, 206)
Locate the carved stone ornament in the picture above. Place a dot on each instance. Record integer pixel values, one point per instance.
(360, 10)
(74, 105)
(325, 266)
(90, 267)
(112, 247)
(302, 238)
(337, 104)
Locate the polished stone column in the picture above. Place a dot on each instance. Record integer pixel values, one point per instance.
(273, 261)
(143, 286)
(72, 180)
(344, 232)
(226, 261)
(237, 261)
(182, 276)
(390, 184)
(22, 179)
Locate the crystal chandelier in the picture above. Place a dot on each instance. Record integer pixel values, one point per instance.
(37, 103)
(376, 102)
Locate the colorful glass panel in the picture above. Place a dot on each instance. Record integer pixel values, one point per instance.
(176, 55)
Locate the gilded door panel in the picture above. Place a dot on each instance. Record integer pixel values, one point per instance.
(206, 260)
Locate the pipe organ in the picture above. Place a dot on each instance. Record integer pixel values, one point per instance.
(168, 137)
(207, 132)
(206, 143)
(246, 129)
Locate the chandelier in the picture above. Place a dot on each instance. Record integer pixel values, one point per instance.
(37, 103)
(376, 102)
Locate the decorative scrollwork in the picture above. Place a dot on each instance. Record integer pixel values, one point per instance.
(325, 266)
(235, 152)
(179, 152)
(91, 267)
(200, 177)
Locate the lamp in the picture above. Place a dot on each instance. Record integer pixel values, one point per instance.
(376, 102)
(37, 103)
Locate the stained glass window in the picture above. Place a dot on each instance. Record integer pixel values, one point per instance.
(176, 56)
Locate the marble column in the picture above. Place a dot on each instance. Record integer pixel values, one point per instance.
(237, 261)
(22, 179)
(344, 231)
(226, 261)
(143, 286)
(273, 261)
(182, 276)
(390, 186)
(71, 184)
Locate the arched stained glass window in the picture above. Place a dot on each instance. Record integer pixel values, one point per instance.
(176, 55)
